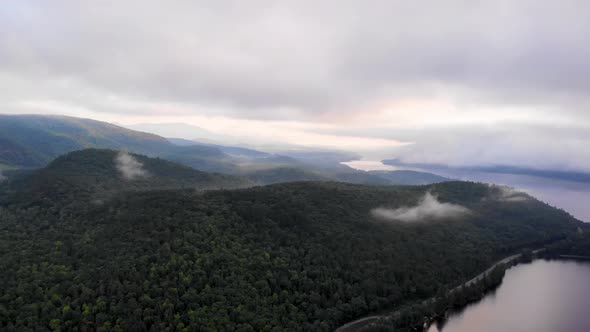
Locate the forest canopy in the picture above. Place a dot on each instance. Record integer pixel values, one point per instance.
(162, 253)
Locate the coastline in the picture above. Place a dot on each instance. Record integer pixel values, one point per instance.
(475, 282)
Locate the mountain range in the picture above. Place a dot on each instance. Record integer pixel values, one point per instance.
(32, 141)
(86, 244)
(114, 240)
(574, 176)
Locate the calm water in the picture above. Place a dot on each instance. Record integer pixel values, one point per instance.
(544, 296)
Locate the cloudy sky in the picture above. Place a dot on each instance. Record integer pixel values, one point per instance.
(456, 82)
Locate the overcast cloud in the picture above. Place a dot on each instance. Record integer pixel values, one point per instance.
(458, 79)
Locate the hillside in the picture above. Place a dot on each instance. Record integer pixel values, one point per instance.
(95, 173)
(283, 174)
(299, 256)
(406, 177)
(286, 173)
(35, 140)
(32, 141)
(565, 175)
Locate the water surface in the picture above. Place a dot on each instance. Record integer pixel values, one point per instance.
(544, 296)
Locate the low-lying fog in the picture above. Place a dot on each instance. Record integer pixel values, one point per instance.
(574, 197)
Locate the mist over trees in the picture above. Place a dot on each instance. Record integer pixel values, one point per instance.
(298, 256)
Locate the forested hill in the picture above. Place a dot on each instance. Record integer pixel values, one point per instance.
(35, 140)
(98, 173)
(406, 177)
(299, 256)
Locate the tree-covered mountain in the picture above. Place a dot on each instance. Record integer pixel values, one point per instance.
(283, 174)
(577, 244)
(97, 174)
(35, 140)
(305, 256)
(406, 177)
(32, 141)
(574, 176)
(341, 174)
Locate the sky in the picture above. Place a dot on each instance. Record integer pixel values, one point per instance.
(454, 82)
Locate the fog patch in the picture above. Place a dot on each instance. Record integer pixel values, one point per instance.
(97, 202)
(2, 177)
(508, 194)
(129, 167)
(429, 208)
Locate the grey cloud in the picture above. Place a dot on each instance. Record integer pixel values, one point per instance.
(537, 147)
(546, 146)
(129, 167)
(303, 57)
(312, 61)
(429, 208)
(2, 177)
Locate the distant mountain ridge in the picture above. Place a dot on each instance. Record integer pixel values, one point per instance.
(575, 176)
(406, 177)
(94, 173)
(183, 130)
(33, 141)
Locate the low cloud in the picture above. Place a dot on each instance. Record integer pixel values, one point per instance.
(129, 167)
(97, 202)
(508, 194)
(429, 208)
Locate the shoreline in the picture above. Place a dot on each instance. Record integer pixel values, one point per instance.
(376, 318)
(450, 311)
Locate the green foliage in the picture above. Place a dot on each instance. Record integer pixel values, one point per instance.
(92, 174)
(283, 174)
(300, 256)
(35, 140)
(405, 177)
(578, 244)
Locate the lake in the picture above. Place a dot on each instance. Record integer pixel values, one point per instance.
(543, 296)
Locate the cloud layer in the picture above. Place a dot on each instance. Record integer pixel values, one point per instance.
(398, 70)
(129, 167)
(300, 57)
(429, 208)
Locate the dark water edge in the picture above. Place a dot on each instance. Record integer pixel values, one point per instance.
(542, 296)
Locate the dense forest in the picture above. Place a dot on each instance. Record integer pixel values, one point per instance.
(83, 249)
(577, 244)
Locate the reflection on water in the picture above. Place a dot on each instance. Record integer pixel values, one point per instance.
(573, 197)
(544, 296)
